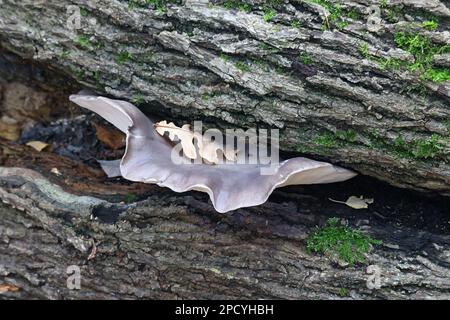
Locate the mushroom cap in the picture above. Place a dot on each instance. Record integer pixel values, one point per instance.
(149, 158)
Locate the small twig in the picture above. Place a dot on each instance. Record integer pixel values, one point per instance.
(337, 201)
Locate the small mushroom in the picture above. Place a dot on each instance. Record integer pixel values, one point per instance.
(148, 159)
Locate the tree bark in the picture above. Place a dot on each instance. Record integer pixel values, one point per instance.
(187, 250)
(193, 61)
(284, 64)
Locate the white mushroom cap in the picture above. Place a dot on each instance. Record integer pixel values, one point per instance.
(148, 159)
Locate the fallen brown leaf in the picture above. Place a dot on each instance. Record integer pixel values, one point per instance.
(110, 137)
(8, 288)
(9, 129)
(38, 145)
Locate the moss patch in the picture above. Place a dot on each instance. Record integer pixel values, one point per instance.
(84, 42)
(241, 65)
(160, 5)
(269, 14)
(123, 57)
(423, 51)
(341, 242)
(232, 4)
(418, 148)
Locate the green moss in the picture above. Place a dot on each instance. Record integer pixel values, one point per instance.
(130, 198)
(83, 12)
(241, 65)
(303, 148)
(274, 3)
(333, 140)
(347, 135)
(225, 57)
(160, 5)
(134, 4)
(327, 140)
(138, 99)
(338, 15)
(354, 15)
(401, 148)
(419, 149)
(342, 24)
(97, 77)
(394, 14)
(296, 23)
(232, 4)
(84, 42)
(341, 242)
(383, 4)
(335, 11)
(269, 48)
(209, 95)
(447, 124)
(415, 44)
(123, 57)
(423, 51)
(262, 64)
(79, 74)
(430, 25)
(305, 58)
(364, 50)
(269, 14)
(430, 148)
(436, 75)
(344, 292)
(65, 54)
(376, 139)
(391, 63)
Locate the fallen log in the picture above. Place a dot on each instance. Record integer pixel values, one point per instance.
(171, 246)
(293, 69)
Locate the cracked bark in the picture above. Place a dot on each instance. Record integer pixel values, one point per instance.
(176, 246)
(186, 250)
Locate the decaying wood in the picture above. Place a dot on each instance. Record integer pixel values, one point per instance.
(183, 63)
(199, 60)
(177, 246)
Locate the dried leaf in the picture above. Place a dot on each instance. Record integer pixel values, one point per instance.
(355, 202)
(55, 171)
(110, 137)
(9, 129)
(8, 288)
(38, 145)
(191, 142)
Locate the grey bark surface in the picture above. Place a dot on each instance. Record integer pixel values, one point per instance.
(195, 60)
(175, 245)
(186, 250)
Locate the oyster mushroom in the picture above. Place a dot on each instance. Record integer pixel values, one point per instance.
(148, 159)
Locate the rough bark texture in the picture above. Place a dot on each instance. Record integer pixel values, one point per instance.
(283, 64)
(175, 245)
(186, 250)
